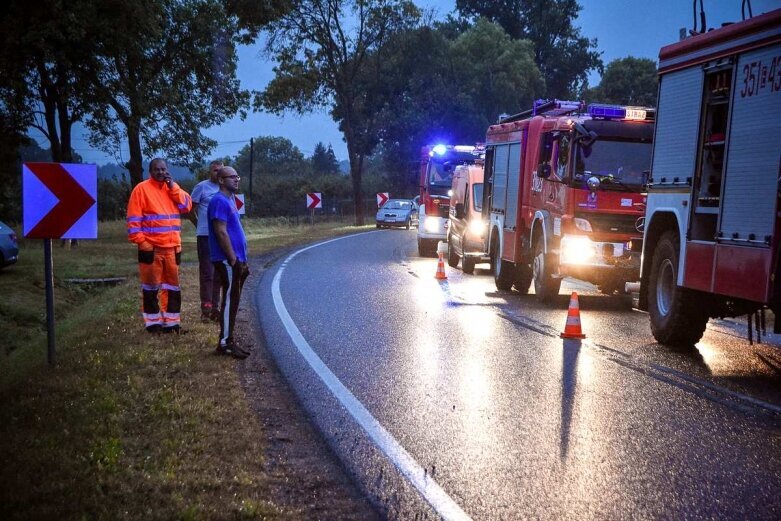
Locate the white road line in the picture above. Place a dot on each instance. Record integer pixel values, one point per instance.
(401, 459)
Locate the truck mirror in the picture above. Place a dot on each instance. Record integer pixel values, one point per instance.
(546, 147)
(544, 170)
(459, 210)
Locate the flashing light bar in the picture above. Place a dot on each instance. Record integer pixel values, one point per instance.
(598, 110)
(441, 150)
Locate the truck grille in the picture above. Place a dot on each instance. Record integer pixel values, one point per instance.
(612, 223)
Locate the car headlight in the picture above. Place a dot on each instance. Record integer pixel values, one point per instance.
(577, 249)
(432, 224)
(477, 227)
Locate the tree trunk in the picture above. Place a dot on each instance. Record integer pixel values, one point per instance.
(135, 163)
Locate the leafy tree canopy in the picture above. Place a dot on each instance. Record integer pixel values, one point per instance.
(627, 81)
(563, 55)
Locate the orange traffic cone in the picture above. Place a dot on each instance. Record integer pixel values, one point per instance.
(441, 268)
(572, 328)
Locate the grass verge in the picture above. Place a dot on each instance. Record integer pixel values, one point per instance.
(127, 425)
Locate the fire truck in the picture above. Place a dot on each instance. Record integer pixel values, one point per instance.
(564, 195)
(713, 221)
(437, 164)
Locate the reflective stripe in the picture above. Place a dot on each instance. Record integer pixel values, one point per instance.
(170, 287)
(150, 287)
(153, 217)
(152, 316)
(157, 229)
(187, 202)
(169, 316)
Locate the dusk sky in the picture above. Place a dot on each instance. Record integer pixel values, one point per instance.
(622, 27)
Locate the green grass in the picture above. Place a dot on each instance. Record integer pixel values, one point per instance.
(126, 425)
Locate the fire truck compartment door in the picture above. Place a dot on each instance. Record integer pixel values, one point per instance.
(513, 175)
(677, 126)
(752, 159)
(500, 177)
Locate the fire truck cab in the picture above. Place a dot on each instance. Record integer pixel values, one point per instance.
(564, 195)
(437, 165)
(712, 226)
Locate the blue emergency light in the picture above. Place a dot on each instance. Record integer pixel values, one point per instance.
(598, 110)
(440, 150)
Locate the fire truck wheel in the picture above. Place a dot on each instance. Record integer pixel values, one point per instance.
(503, 272)
(677, 315)
(523, 278)
(545, 286)
(452, 257)
(468, 265)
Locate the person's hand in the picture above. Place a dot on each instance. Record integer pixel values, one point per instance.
(169, 180)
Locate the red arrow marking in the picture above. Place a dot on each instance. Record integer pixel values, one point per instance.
(239, 204)
(72, 202)
(315, 200)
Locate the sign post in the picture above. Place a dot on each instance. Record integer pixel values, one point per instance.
(313, 200)
(58, 202)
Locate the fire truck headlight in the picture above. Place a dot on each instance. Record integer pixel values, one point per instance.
(477, 227)
(431, 224)
(577, 249)
(582, 224)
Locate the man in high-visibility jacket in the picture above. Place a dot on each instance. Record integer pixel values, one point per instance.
(154, 224)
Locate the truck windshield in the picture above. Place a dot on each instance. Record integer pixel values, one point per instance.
(619, 165)
(440, 174)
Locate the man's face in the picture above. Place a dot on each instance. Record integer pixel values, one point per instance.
(159, 171)
(229, 179)
(214, 171)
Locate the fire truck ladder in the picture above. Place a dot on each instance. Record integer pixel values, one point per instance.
(546, 107)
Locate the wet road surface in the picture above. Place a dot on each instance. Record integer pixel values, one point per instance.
(450, 399)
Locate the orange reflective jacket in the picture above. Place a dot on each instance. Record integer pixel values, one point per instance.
(154, 214)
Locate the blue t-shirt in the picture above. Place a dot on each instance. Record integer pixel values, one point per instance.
(202, 194)
(224, 209)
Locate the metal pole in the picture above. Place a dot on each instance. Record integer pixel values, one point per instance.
(49, 274)
(251, 157)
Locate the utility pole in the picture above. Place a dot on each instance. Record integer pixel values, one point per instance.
(251, 152)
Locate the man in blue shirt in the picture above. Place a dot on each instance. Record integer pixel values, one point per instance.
(210, 288)
(228, 252)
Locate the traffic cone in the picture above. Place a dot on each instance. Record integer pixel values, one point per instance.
(572, 328)
(441, 268)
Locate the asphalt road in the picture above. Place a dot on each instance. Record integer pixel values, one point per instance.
(449, 399)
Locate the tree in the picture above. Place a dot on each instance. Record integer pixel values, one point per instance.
(271, 157)
(324, 160)
(627, 81)
(321, 47)
(451, 90)
(562, 54)
(165, 69)
(41, 86)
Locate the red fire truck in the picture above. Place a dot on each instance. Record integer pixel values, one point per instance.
(437, 163)
(713, 221)
(564, 195)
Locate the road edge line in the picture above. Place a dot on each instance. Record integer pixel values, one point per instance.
(434, 495)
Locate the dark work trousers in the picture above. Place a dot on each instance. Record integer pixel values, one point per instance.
(210, 287)
(232, 280)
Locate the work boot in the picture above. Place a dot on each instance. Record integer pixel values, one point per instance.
(172, 329)
(232, 349)
(154, 328)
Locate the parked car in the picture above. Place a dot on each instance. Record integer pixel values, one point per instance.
(9, 249)
(398, 212)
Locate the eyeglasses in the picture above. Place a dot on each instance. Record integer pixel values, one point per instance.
(236, 177)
